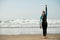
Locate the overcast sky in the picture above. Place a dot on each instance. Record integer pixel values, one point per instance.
(28, 9)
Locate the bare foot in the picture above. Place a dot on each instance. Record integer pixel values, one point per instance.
(45, 37)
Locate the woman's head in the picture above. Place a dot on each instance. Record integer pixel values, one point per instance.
(43, 13)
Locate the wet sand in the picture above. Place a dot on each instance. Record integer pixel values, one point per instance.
(29, 37)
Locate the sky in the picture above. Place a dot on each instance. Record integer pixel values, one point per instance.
(28, 9)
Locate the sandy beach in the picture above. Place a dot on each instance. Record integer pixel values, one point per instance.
(29, 37)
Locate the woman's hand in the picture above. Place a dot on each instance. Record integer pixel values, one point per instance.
(40, 27)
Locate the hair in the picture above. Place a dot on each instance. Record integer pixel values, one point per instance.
(43, 12)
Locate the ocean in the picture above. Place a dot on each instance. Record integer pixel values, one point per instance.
(28, 26)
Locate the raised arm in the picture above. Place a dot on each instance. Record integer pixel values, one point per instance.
(46, 10)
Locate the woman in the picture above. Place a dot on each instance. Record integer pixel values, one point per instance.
(44, 21)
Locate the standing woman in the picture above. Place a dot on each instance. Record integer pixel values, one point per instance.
(44, 21)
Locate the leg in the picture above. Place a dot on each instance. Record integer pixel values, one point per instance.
(44, 30)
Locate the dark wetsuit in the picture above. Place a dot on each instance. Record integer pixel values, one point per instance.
(44, 25)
